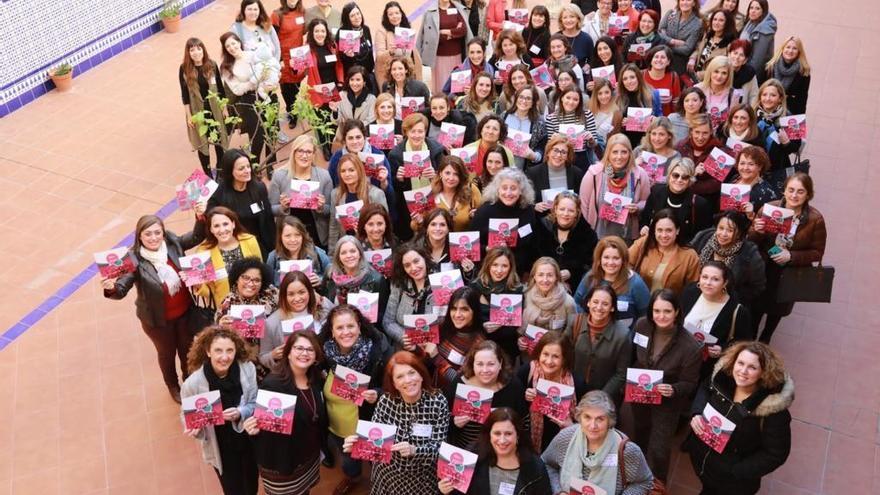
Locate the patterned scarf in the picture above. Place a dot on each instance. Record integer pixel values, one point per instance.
(357, 358)
(537, 419)
(419, 297)
(347, 283)
(712, 248)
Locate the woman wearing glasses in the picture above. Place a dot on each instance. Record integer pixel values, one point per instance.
(691, 211)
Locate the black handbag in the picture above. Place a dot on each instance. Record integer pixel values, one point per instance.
(202, 312)
(805, 284)
(778, 176)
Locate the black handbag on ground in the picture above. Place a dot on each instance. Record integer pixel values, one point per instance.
(805, 284)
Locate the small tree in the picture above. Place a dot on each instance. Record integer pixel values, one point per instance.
(207, 126)
(318, 119)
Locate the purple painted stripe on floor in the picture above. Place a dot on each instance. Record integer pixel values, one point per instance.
(84, 276)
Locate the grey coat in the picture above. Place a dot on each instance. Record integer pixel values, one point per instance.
(197, 383)
(281, 184)
(638, 475)
(429, 34)
(345, 111)
(375, 194)
(150, 302)
(688, 31)
(400, 304)
(762, 38)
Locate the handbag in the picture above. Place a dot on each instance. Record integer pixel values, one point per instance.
(202, 312)
(657, 488)
(805, 284)
(778, 176)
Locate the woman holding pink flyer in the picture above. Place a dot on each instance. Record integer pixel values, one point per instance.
(440, 112)
(659, 76)
(547, 303)
(770, 110)
(421, 415)
(301, 167)
(354, 186)
(401, 81)
(692, 211)
(525, 117)
(474, 63)
(220, 361)
(615, 176)
(519, 77)
(637, 101)
(750, 388)
(298, 305)
(498, 275)
(552, 359)
(802, 245)
(698, 147)
(643, 39)
(350, 272)
(741, 129)
(163, 307)
(510, 195)
(386, 45)
(348, 340)
(362, 54)
(290, 464)
(488, 368)
(410, 291)
(662, 343)
(752, 164)
(507, 459)
(593, 450)
(657, 150)
(295, 244)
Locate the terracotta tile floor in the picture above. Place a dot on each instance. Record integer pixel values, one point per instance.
(84, 406)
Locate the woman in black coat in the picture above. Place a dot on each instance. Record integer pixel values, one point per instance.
(750, 387)
(558, 159)
(415, 138)
(710, 310)
(163, 304)
(504, 445)
(728, 243)
(790, 67)
(510, 195)
(439, 112)
(692, 211)
(567, 237)
(353, 20)
(247, 196)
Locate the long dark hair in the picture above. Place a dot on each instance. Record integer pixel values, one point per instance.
(282, 367)
(651, 241)
(404, 20)
(524, 448)
(227, 59)
(285, 8)
(297, 276)
(400, 277)
(605, 287)
(616, 59)
(190, 71)
(310, 34)
(471, 297)
(346, 21)
(485, 178)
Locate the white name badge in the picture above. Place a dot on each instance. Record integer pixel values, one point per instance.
(451, 11)
(610, 460)
(535, 49)
(622, 305)
(424, 430)
(445, 267)
(525, 230)
(221, 274)
(506, 488)
(641, 340)
(455, 357)
(255, 208)
(300, 21)
(330, 58)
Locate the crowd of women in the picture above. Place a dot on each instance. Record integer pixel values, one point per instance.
(618, 234)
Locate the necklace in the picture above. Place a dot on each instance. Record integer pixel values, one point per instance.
(673, 205)
(310, 403)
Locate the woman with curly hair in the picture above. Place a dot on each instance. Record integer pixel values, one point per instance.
(219, 360)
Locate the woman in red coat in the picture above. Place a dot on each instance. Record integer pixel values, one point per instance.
(290, 24)
(325, 67)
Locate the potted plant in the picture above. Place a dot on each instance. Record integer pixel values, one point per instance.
(62, 76)
(170, 16)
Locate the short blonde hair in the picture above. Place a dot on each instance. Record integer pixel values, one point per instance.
(685, 164)
(382, 98)
(721, 61)
(572, 9)
(299, 142)
(413, 120)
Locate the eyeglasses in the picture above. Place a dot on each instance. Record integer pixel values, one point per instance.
(303, 350)
(251, 280)
(559, 151)
(678, 176)
(525, 97)
(303, 151)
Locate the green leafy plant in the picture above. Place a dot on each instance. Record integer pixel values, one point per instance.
(171, 9)
(318, 119)
(268, 112)
(62, 70)
(207, 126)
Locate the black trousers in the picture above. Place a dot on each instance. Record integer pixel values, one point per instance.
(240, 474)
(251, 123)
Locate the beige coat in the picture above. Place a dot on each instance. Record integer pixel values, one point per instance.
(383, 44)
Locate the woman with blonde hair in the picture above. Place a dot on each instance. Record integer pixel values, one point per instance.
(219, 360)
(546, 302)
(770, 110)
(565, 236)
(480, 98)
(789, 66)
(616, 174)
(353, 186)
(659, 139)
(604, 108)
(611, 265)
(570, 22)
(717, 85)
(455, 193)
(385, 113)
(301, 166)
(498, 275)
